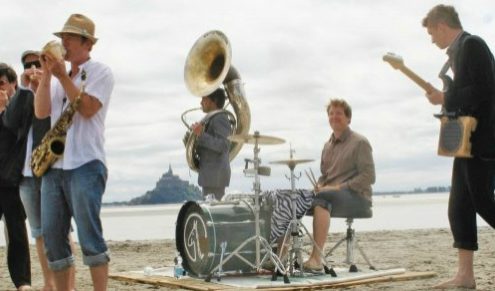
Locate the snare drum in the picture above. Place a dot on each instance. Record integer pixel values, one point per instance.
(203, 227)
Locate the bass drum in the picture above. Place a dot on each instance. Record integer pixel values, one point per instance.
(202, 228)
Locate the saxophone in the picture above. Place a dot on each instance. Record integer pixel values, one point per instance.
(207, 68)
(52, 145)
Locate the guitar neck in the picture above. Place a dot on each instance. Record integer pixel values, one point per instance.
(417, 79)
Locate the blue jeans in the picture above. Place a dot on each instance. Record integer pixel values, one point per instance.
(31, 199)
(74, 193)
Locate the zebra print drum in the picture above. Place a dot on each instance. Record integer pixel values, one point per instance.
(281, 200)
(202, 228)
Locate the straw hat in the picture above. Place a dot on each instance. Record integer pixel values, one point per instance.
(81, 25)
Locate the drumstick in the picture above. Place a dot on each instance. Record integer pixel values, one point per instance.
(313, 175)
(309, 178)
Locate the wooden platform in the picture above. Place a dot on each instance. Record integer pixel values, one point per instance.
(316, 282)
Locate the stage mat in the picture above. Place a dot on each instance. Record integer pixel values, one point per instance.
(163, 277)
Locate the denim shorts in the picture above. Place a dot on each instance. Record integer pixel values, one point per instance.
(31, 199)
(74, 193)
(341, 203)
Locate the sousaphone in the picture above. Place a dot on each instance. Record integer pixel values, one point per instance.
(208, 66)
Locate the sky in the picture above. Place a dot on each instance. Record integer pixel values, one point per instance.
(293, 57)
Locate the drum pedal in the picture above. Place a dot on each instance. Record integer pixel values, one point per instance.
(330, 271)
(277, 273)
(286, 279)
(223, 246)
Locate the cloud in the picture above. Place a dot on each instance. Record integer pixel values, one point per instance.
(293, 56)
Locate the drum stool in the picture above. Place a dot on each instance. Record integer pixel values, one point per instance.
(350, 238)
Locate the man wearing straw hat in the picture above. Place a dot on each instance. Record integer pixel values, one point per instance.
(74, 185)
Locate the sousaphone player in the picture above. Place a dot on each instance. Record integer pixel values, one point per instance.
(212, 145)
(209, 74)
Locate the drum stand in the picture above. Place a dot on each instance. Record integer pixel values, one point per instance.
(296, 230)
(260, 241)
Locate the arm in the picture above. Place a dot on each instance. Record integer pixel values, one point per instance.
(365, 168)
(4, 99)
(435, 96)
(42, 99)
(215, 138)
(89, 104)
(30, 78)
(320, 184)
(474, 80)
(15, 110)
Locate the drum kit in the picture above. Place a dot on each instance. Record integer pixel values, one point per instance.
(232, 235)
(229, 235)
(296, 230)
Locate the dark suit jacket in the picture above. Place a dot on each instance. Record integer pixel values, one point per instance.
(15, 123)
(213, 150)
(473, 91)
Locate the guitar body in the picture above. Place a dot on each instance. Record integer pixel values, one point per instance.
(455, 136)
(455, 132)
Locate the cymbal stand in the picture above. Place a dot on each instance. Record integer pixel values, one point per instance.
(295, 233)
(259, 240)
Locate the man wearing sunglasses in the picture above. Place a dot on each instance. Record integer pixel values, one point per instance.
(32, 69)
(30, 186)
(12, 137)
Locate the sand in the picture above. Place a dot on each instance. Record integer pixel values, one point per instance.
(415, 250)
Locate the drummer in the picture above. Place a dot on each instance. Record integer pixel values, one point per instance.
(347, 173)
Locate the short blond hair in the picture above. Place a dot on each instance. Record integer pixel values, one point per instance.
(342, 104)
(442, 13)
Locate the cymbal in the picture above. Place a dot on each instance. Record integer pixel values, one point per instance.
(255, 138)
(292, 162)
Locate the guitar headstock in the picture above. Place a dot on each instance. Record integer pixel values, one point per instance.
(394, 60)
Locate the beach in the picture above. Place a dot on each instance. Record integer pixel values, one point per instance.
(415, 250)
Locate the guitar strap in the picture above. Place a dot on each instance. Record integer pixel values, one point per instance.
(445, 68)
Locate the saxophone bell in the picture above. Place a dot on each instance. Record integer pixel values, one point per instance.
(57, 146)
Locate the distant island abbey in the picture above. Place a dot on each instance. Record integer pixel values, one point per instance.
(169, 189)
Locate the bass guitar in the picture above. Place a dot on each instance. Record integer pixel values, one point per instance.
(455, 130)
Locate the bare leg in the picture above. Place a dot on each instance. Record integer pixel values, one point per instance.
(49, 281)
(72, 275)
(48, 275)
(465, 273)
(62, 279)
(99, 275)
(321, 225)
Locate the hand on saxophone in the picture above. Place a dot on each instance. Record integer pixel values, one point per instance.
(197, 128)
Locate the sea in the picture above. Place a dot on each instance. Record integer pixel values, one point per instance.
(390, 212)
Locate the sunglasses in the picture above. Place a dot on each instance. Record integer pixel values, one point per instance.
(28, 65)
